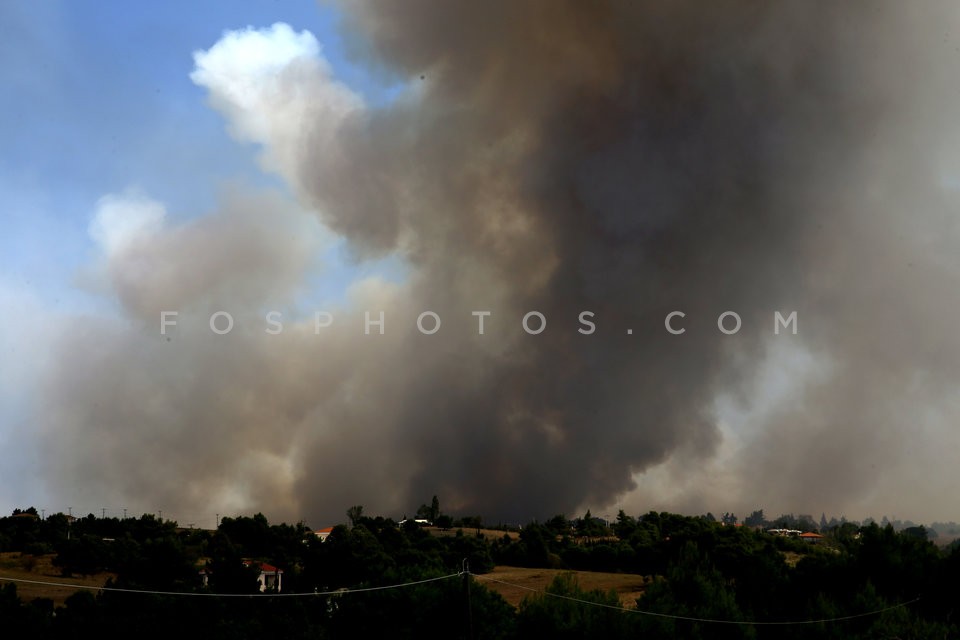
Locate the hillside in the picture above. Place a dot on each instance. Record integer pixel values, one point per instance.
(517, 583)
(27, 567)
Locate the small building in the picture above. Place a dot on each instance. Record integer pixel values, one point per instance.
(270, 577)
(810, 537)
(786, 533)
(322, 534)
(419, 521)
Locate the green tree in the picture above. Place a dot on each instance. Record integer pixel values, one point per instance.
(228, 573)
(429, 513)
(590, 526)
(693, 588)
(472, 522)
(756, 519)
(354, 514)
(534, 548)
(565, 610)
(558, 524)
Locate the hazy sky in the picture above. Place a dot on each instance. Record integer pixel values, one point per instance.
(452, 157)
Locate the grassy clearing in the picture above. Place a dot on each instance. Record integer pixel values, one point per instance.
(489, 534)
(40, 568)
(628, 586)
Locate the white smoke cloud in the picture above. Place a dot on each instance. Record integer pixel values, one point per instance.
(121, 220)
(253, 250)
(272, 85)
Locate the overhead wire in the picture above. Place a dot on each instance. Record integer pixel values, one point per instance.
(485, 578)
(696, 619)
(302, 594)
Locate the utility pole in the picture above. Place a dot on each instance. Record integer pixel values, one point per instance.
(467, 610)
(161, 515)
(103, 513)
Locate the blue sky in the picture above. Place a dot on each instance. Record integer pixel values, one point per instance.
(98, 99)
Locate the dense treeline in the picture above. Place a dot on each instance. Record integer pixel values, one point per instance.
(697, 567)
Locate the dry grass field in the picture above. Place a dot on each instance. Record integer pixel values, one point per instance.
(489, 534)
(41, 569)
(520, 581)
(628, 586)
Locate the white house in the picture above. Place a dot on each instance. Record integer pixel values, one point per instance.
(270, 577)
(323, 533)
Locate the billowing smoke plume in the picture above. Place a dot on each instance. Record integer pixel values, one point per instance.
(629, 159)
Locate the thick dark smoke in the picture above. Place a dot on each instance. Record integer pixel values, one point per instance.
(624, 158)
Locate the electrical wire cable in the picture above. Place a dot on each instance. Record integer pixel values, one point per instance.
(336, 592)
(695, 619)
(347, 591)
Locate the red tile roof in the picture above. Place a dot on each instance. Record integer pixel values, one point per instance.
(264, 567)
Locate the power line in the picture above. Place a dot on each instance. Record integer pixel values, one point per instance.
(337, 592)
(465, 573)
(694, 619)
